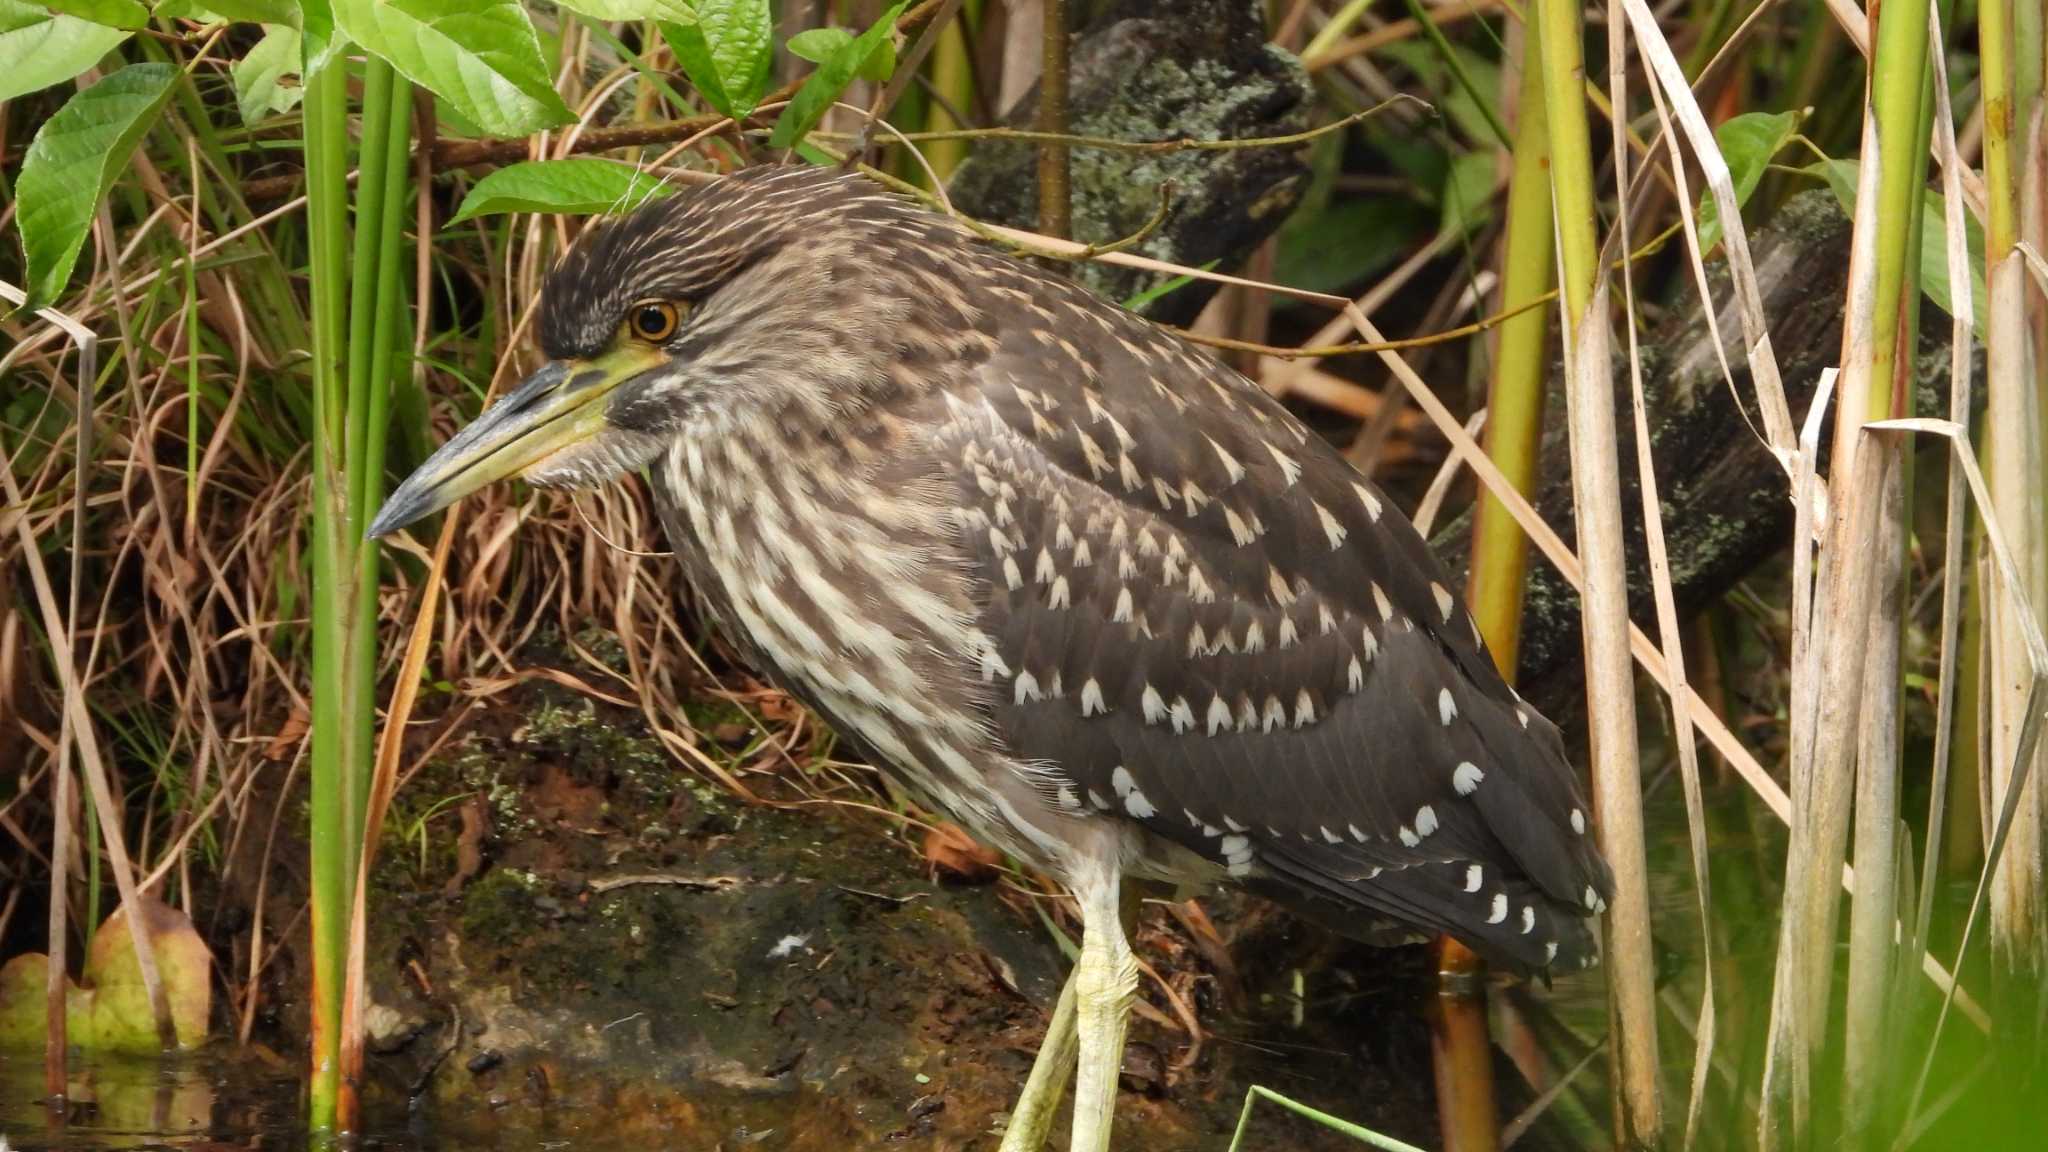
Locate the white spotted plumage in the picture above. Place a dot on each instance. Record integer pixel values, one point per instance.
(927, 578)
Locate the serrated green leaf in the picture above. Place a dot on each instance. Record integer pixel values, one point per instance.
(481, 56)
(725, 51)
(1841, 177)
(818, 44)
(576, 185)
(38, 49)
(830, 79)
(740, 36)
(618, 11)
(693, 56)
(126, 15)
(1747, 142)
(72, 161)
(258, 93)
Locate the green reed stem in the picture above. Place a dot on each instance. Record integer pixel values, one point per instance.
(325, 131)
(1514, 419)
(351, 389)
(952, 81)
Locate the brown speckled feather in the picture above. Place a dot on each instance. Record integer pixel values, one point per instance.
(1017, 541)
(1217, 627)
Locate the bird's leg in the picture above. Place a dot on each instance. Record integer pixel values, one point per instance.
(1039, 1104)
(1104, 982)
(1036, 1106)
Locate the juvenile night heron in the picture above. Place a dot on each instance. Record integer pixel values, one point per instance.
(1079, 586)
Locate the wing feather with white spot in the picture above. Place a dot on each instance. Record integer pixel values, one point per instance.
(1215, 627)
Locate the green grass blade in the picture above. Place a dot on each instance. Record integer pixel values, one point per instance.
(1357, 1132)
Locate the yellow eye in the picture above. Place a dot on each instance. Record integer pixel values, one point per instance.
(654, 320)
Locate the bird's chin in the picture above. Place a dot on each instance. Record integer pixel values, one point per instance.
(595, 462)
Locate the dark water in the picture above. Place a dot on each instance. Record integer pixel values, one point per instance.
(200, 1100)
(215, 1101)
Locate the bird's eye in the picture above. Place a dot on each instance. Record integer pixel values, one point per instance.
(654, 321)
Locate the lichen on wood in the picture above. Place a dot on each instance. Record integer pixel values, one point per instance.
(1170, 70)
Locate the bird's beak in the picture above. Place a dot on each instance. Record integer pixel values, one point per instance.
(555, 408)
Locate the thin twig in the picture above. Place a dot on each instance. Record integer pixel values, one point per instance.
(1055, 197)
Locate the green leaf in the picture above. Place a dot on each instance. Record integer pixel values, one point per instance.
(319, 41)
(818, 44)
(72, 161)
(111, 1012)
(123, 14)
(191, 10)
(578, 185)
(481, 56)
(831, 78)
(1146, 297)
(258, 92)
(1348, 241)
(255, 11)
(1747, 142)
(693, 55)
(38, 49)
(120, 1019)
(725, 52)
(740, 34)
(1459, 107)
(880, 64)
(620, 11)
(1467, 197)
(1841, 177)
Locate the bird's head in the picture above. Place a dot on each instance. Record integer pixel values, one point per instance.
(755, 301)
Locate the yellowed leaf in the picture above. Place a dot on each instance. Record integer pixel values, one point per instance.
(120, 1016)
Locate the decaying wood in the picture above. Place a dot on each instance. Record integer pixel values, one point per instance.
(1726, 500)
(1162, 70)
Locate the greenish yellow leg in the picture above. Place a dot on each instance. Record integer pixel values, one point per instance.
(1036, 1106)
(1104, 982)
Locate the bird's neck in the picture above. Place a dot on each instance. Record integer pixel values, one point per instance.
(818, 558)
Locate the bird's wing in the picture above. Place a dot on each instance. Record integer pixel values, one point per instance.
(1209, 623)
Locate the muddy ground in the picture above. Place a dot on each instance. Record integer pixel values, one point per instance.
(575, 938)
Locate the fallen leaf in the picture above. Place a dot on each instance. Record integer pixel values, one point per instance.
(281, 745)
(120, 1015)
(111, 1012)
(22, 1013)
(949, 852)
(469, 850)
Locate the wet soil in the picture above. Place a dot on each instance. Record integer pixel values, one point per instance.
(577, 944)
